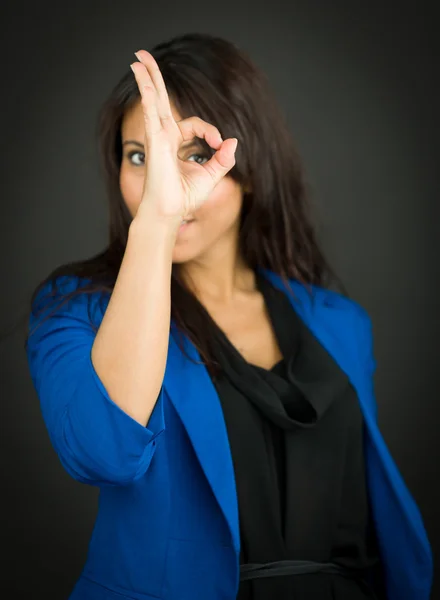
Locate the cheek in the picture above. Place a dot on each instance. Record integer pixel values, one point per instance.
(222, 208)
(131, 189)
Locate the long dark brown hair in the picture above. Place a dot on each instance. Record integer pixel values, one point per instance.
(212, 78)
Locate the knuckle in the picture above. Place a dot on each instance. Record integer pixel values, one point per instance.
(148, 107)
(147, 91)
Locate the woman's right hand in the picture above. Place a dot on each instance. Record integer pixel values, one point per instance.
(174, 188)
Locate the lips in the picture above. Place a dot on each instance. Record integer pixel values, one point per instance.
(185, 223)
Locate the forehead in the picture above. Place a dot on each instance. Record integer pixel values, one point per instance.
(133, 122)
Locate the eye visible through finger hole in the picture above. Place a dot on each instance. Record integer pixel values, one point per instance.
(130, 156)
(203, 158)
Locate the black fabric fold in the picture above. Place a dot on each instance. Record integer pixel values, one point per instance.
(296, 437)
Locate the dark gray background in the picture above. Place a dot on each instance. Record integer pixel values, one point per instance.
(359, 84)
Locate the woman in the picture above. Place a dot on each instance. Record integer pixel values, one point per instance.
(201, 373)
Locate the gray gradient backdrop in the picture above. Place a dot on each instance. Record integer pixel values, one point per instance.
(359, 84)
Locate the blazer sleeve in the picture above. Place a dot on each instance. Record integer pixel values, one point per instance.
(96, 441)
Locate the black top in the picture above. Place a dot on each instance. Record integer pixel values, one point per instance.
(296, 437)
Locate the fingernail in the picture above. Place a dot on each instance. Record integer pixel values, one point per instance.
(131, 67)
(136, 54)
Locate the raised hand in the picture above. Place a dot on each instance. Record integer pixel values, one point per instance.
(173, 187)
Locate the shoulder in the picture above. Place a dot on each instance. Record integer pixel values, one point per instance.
(318, 298)
(355, 318)
(345, 316)
(65, 295)
(338, 300)
(58, 287)
(315, 298)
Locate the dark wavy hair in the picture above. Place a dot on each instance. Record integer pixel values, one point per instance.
(212, 78)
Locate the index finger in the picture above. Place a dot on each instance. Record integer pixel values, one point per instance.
(197, 127)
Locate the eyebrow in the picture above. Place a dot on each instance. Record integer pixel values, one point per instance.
(133, 142)
(192, 143)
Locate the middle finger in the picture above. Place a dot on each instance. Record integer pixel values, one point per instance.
(163, 104)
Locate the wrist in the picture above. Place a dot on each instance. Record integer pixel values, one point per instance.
(147, 212)
(164, 227)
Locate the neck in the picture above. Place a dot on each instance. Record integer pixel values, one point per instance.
(221, 277)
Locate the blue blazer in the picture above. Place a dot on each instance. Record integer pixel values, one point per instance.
(167, 525)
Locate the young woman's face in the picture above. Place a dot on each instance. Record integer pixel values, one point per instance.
(216, 222)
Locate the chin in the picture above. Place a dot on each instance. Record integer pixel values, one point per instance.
(183, 255)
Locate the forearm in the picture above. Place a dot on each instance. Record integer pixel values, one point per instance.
(130, 349)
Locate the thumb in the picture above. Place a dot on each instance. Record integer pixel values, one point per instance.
(222, 161)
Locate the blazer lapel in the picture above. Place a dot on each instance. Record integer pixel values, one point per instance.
(195, 398)
(332, 324)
